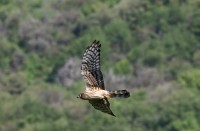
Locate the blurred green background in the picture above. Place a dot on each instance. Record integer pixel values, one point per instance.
(149, 47)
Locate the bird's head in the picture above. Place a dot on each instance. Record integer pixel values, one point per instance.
(79, 96)
(83, 96)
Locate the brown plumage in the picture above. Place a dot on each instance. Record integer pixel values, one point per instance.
(95, 91)
(119, 93)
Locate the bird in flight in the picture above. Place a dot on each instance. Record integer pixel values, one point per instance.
(95, 91)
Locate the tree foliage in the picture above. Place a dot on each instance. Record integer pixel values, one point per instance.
(149, 47)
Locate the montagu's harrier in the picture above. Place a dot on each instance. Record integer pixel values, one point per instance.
(95, 91)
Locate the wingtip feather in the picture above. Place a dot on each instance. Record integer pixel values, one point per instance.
(111, 113)
(97, 42)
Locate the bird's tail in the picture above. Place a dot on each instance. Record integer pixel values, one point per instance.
(119, 93)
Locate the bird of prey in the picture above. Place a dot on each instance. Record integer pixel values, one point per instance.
(95, 91)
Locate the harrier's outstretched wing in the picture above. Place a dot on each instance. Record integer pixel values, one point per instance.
(90, 68)
(102, 105)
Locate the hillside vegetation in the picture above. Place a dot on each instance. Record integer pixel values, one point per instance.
(149, 47)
